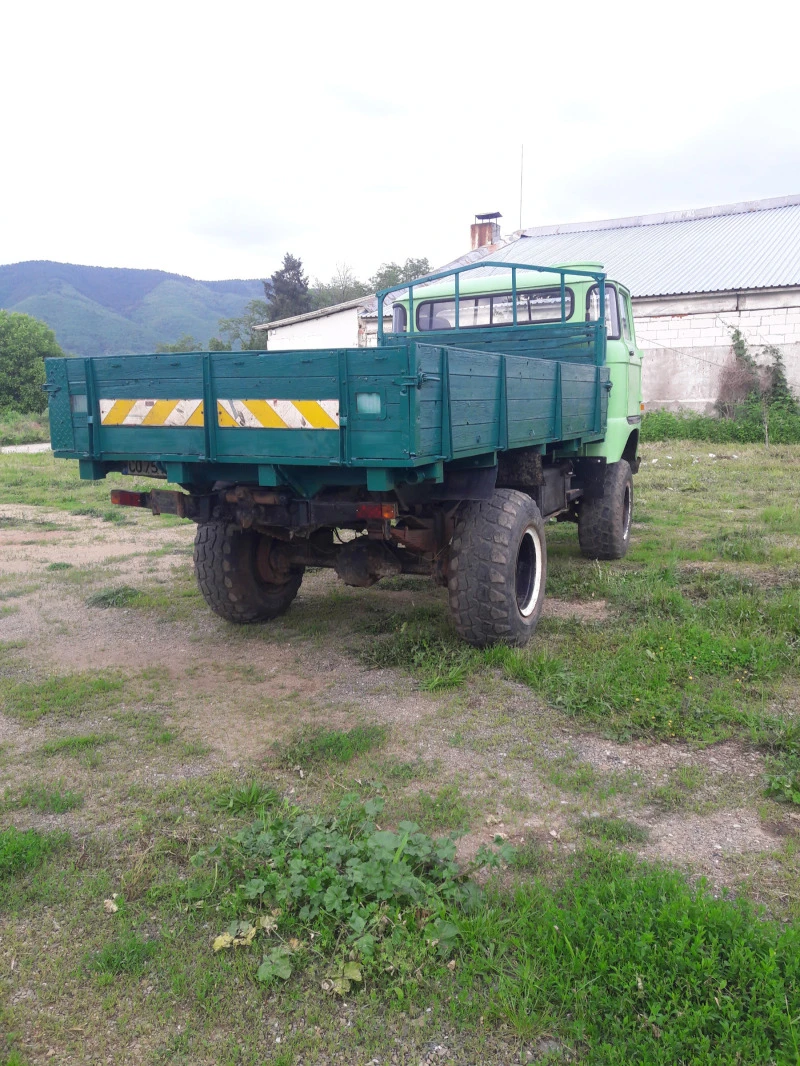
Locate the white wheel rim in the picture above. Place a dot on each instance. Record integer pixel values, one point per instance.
(529, 571)
(627, 510)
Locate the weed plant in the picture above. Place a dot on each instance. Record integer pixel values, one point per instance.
(358, 892)
(241, 799)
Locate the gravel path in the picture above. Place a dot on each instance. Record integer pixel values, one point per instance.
(30, 448)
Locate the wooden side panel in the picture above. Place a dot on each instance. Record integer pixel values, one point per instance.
(475, 401)
(578, 395)
(531, 386)
(574, 342)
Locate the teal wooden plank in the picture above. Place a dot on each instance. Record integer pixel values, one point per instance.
(268, 445)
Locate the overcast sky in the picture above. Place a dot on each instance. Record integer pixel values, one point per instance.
(209, 138)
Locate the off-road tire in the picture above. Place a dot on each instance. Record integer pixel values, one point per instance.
(604, 525)
(497, 569)
(225, 561)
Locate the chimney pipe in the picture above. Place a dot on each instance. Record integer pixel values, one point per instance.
(485, 230)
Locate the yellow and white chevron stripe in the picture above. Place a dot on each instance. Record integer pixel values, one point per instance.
(278, 414)
(151, 412)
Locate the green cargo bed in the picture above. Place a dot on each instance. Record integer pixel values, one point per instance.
(374, 416)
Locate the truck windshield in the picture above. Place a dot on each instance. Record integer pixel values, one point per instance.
(539, 305)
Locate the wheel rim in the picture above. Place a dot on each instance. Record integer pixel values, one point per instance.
(529, 571)
(627, 510)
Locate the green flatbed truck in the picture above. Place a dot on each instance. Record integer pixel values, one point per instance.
(493, 403)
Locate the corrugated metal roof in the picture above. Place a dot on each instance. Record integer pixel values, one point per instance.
(737, 246)
(321, 312)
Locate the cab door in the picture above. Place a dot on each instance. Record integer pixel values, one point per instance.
(628, 336)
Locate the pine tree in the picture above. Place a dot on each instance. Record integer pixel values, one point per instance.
(287, 290)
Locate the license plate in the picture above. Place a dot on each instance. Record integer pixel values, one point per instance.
(141, 468)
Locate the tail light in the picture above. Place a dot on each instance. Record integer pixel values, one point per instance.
(382, 511)
(130, 499)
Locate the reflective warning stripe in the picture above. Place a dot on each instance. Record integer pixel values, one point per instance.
(278, 414)
(151, 412)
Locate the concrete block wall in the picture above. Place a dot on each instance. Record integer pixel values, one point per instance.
(686, 341)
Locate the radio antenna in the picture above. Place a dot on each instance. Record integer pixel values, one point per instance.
(521, 171)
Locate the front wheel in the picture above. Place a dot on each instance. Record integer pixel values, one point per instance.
(604, 525)
(232, 567)
(497, 569)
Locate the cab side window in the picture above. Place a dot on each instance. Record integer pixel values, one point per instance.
(612, 312)
(624, 317)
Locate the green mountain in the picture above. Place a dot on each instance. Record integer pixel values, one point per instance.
(113, 310)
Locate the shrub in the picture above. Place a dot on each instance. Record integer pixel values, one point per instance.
(746, 428)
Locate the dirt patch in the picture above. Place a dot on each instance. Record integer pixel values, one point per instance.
(653, 761)
(80, 540)
(705, 842)
(585, 610)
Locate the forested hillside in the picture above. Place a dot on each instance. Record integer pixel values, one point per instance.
(100, 310)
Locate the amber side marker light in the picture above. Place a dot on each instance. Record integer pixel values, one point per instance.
(383, 511)
(129, 499)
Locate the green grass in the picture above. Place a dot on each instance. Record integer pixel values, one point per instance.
(742, 545)
(442, 811)
(319, 745)
(59, 566)
(71, 694)
(678, 791)
(56, 800)
(129, 954)
(43, 480)
(149, 727)
(784, 428)
(25, 850)
(615, 830)
(76, 745)
(121, 596)
(627, 963)
(114, 515)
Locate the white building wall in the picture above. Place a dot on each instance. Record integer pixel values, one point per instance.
(339, 330)
(687, 341)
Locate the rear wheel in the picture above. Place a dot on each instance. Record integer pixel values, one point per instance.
(497, 569)
(232, 567)
(604, 525)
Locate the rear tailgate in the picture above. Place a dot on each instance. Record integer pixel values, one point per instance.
(296, 408)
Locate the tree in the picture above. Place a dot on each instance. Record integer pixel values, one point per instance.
(287, 290)
(240, 331)
(344, 285)
(389, 274)
(184, 343)
(25, 343)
